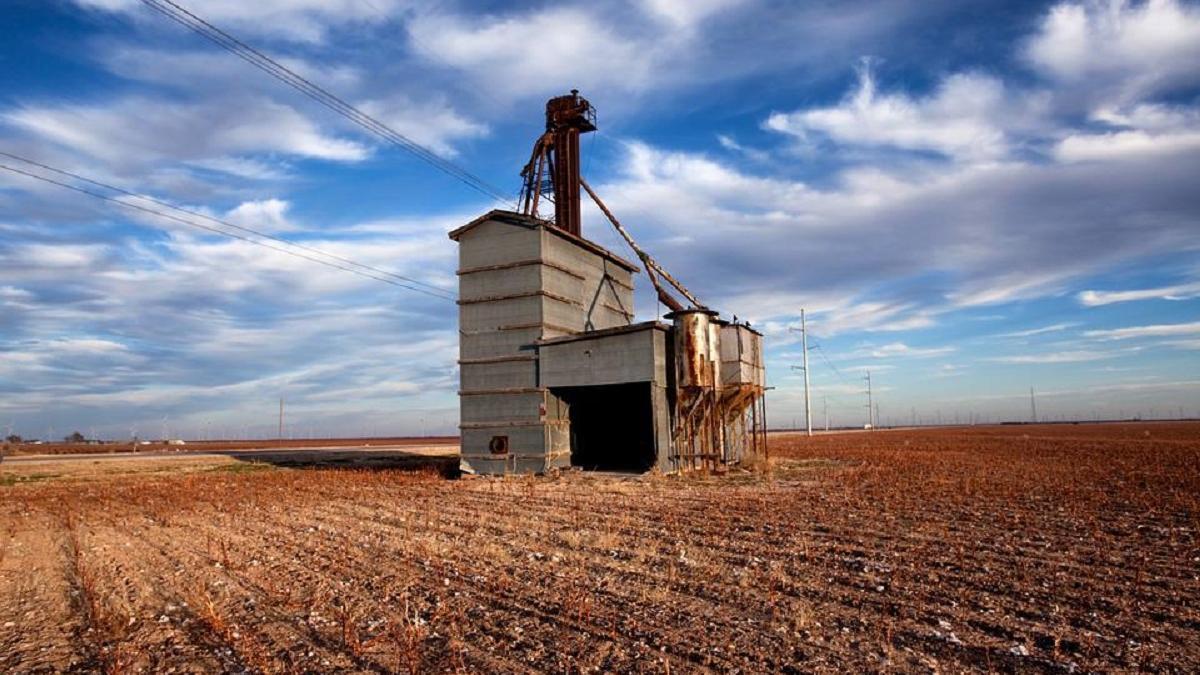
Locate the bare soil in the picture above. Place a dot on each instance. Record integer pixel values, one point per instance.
(64, 448)
(1041, 548)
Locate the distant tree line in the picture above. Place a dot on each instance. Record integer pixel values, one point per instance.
(73, 438)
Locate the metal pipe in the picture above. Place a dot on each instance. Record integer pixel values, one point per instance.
(537, 183)
(649, 262)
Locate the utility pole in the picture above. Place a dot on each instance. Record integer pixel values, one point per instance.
(807, 396)
(280, 420)
(825, 404)
(804, 356)
(1032, 406)
(870, 402)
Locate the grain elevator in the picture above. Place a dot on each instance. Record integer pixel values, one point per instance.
(555, 372)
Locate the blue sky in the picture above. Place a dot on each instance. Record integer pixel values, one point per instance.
(970, 199)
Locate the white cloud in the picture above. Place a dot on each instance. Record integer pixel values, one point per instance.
(899, 349)
(299, 20)
(875, 368)
(1075, 356)
(1118, 51)
(1053, 328)
(1115, 145)
(852, 315)
(215, 70)
(433, 123)
(615, 53)
(686, 14)
(950, 370)
(1183, 344)
(1003, 287)
(1152, 117)
(1142, 129)
(241, 167)
(210, 326)
(56, 257)
(265, 215)
(961, 119)
(1159, 330)
(1178, 292)
(85, 346)
(136, 131)
(894, 248)
(12, 293)
(547, 50)
(729, 143)
(430, 121)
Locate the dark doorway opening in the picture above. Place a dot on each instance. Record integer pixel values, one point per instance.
(612, 426)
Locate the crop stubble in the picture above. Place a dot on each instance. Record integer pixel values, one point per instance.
(1046, 548)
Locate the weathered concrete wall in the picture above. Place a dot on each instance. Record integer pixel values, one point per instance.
(634, 356)
(667, 462)
(601, 291)
(519, 283)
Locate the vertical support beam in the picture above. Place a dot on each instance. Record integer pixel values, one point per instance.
(537, 182)
(566, 179)
(766, 445)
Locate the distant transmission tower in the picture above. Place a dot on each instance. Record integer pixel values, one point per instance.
(870, 402)
(1032, 406)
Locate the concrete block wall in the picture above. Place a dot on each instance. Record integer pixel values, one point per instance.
(521, 281)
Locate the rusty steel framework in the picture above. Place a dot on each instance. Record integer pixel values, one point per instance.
(720, 408)
(556, 158)
(718, 415)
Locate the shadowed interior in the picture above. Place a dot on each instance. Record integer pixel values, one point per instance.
(612, 427)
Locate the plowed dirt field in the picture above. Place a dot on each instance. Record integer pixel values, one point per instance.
(1034, 548)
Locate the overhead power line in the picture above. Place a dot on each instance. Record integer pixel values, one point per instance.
(438, 293)
(186, 18)
(829, 363)
(159, 202)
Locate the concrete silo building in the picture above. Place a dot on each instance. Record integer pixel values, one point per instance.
(554, 372)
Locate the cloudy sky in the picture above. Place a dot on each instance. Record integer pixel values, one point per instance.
(969, 199)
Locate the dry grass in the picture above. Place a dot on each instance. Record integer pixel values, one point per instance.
(1042, 548)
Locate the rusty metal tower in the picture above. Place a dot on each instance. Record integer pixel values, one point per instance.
(554, 166)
